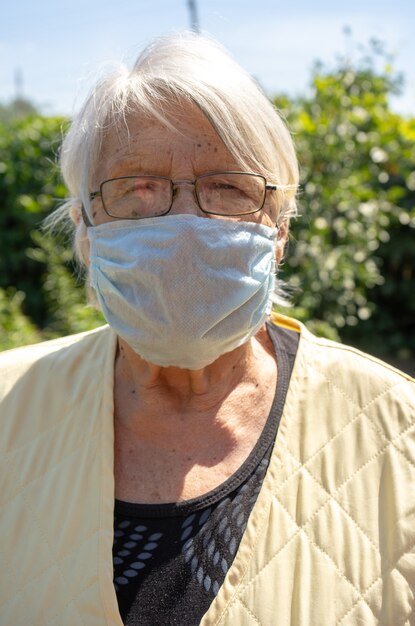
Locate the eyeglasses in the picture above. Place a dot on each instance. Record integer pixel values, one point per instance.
(228, 194)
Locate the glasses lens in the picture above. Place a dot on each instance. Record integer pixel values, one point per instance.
(134, 197)
(230, 194)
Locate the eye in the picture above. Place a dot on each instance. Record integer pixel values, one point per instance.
(140, 189)
(145, 185)
(219, 185)
(222, 187)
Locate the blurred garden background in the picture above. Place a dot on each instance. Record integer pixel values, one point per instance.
(350, 265)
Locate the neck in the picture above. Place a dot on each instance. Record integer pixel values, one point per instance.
(180, 433)
(190, 390)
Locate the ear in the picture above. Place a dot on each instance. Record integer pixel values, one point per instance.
(81, 242)
(75, 214)
(282, 239)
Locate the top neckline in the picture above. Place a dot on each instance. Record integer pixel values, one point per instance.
(285, 343)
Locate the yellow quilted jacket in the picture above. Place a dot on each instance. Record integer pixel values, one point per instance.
(330, 540)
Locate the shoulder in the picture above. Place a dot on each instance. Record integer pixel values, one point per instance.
(325, 354)
(339, 375)
(53, 383)
(54, 358)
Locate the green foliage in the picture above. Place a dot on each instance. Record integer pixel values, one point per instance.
(40, 296)
(351, 262)
(15, 328)
(63, 292)
(30, 187)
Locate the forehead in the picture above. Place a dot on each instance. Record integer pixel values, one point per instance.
(183, 145)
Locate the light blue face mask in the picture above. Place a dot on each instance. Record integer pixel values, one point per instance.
(181, 290)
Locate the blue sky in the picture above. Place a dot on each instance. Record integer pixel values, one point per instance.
(60, 47)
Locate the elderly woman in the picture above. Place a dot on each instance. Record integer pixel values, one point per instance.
(198, 460)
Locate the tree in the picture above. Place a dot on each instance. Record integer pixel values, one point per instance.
(30, 187)
(353, 259)
(38, 286)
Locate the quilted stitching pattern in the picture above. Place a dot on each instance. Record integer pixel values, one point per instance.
(342, 505)
(30, 507)
(342, 519)
(50, 482)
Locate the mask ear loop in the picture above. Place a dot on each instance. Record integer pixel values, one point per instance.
(85, 217)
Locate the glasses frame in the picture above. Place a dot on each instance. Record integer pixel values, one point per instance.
(173, 187)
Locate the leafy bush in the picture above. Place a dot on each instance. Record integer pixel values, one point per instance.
(63, 288)
(30, 188)
(41, 296)
(16, 328)
(352, 259)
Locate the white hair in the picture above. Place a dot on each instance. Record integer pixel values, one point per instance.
(172, 71)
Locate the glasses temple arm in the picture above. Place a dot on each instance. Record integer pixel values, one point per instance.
(85, 217)
(87, 221)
